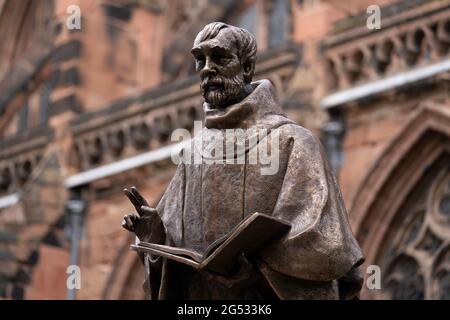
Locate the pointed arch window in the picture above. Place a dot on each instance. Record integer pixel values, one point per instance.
(415, 259)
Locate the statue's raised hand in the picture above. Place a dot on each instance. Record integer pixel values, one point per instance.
(146, 224)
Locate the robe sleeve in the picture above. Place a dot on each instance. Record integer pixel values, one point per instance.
(320, 245)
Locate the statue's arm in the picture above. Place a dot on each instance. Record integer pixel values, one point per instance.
(320, 245)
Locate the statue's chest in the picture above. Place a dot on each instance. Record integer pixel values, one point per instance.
(213, 202)
(219, 196)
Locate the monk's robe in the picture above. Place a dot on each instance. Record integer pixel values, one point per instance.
(317, 259)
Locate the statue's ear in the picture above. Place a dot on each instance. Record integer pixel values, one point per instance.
(249, 70)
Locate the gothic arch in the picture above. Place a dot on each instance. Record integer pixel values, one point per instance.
(403, 176)
(127, 276)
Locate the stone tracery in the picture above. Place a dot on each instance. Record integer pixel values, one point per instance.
(417, 263)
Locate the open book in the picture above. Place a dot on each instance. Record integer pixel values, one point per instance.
(247, 237)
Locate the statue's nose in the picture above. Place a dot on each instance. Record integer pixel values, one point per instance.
(209, 69)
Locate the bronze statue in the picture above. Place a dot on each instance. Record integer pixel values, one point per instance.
(317, 258)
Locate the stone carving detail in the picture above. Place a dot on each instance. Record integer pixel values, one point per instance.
(19, 155)
(390, 51)
(131, 135)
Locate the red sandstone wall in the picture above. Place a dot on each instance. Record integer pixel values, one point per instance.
(49, 275)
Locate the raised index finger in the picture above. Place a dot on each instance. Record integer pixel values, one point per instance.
(133, 200)
(139, 197)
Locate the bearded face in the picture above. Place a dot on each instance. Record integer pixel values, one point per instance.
(221, 91)
(221, 70)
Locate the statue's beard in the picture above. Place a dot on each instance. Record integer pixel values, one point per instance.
(224, 92)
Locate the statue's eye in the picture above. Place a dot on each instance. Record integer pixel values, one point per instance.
(219, 57)
(200, 60)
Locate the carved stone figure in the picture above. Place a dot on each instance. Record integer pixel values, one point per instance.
(318, 258)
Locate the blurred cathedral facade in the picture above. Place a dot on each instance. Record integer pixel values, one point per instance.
(86, 112)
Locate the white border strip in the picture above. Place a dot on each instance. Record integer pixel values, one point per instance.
(122, 165)
(385, 84)
(9, 200)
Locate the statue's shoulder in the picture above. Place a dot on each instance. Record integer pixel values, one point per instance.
(300, 141)
(296, 132)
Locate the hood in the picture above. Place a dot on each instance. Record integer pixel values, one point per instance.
(259, 109)
(257, 115)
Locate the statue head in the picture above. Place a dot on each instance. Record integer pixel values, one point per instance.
(225, 57)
